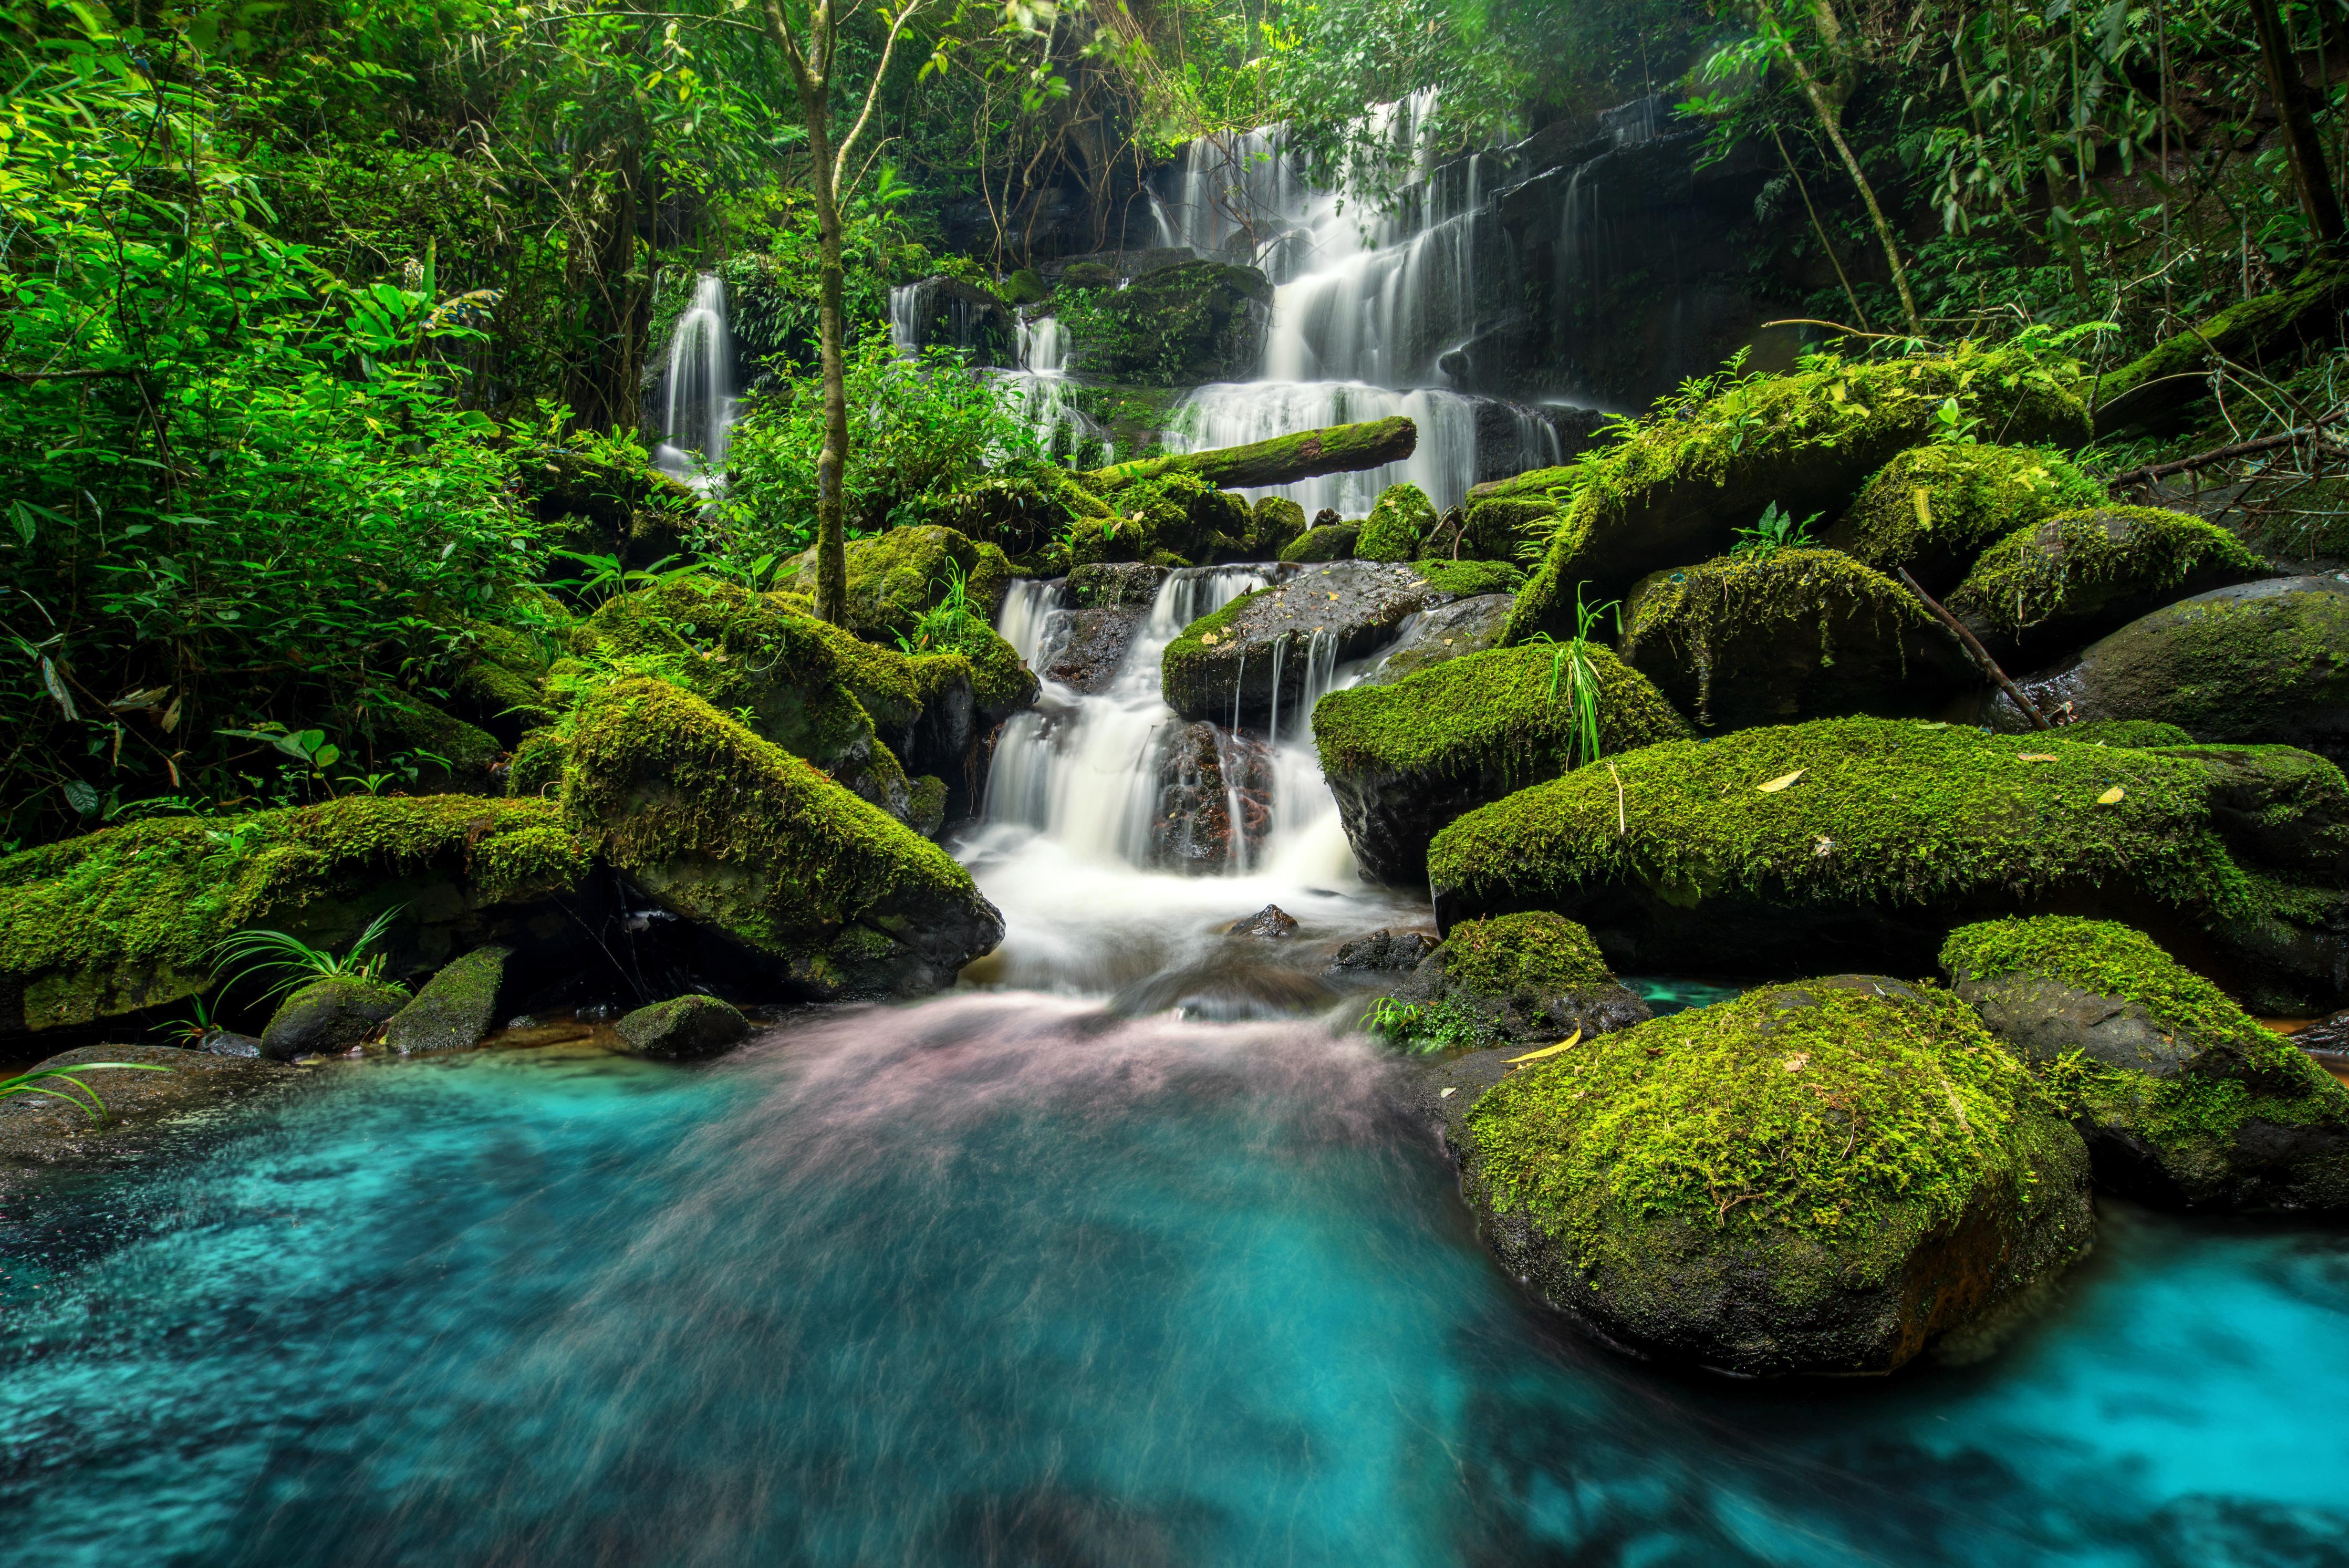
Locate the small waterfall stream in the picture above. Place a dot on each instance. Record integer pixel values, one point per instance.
(698, 397)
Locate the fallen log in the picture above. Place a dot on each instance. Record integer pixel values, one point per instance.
(2153, 388)
(1284, 459)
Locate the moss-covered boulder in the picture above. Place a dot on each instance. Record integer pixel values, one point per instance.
(1771, 638)
(1448, 576)
(2128, 732)
(1851, 839)
(684, 1028)
(497, 683)
(1329, 542)
(1203, 321)
(1821, 1177)
(1252, 657)
(458, 1007)
(1401, 519)
(2262, 662)
(1275, 523)
(2182, 1098)
(1527, 980)
(812, 888)
(131, 917)
(446, 752)
(1677, 488)
(1407, 759)
(897, 576)
(329, 1015)
(1177, 515)
(1932, 509)
(2060, 583)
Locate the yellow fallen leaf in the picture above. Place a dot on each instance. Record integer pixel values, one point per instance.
(1797, 1062)
(1781, 782)
(2111, 796)
(1924, 507)
(2036, 757)
(1566, 1043)
(1333, 597)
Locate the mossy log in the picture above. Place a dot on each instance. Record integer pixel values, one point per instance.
(1284, 459)
(2172, 373)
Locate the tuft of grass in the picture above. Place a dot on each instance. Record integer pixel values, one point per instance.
(62, 1083)
(297, 962)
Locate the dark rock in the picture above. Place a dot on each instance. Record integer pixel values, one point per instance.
(684, 1028)
(1263, 642)
(1527, 979)
(39, 1128)
(2330, 1035)
(1327, 516)
(1447, 631)
(947, 310)
(227, 1043)
(1201, 321)
(1201, 767)
(329, 1015)
(1115, 585)
(1271, 922)
(1086, 647)
(1383, 952)
(457, 1008)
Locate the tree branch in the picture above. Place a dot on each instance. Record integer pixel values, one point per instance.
(872, 92)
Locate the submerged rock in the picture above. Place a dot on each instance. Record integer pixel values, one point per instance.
(1527, 980)
(457, 1008)
(1270, 923)
(1383, 952)
(1231, 663)
(2265, 661)
(1820, 1176)
(684, 1028)
(2183, 1098)
(2057, 583)
(38, 1128)
(1933, 509)
(1790, 635)
(1406, 760)
(329, 1015)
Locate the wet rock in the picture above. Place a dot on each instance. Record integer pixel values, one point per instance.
(228, 1043)
(37, 1129)
(684, 1028)
(1115, 585)
(2182, 1098)
(2330, 1035)
(1204, 772)
(1430, 638)
(1087, 647)
(329, 1015)
(1525, 979)
(1201, 321)
(1271, 922)
(457, 1008)
(962, 315)
(1275, 523)
(1264, 642)
(2262, 663)
(1617, 1179)
(1383, 952)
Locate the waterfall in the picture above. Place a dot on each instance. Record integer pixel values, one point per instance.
(1226, 413)
(1041, 392)
(697, 392)
(904, 334)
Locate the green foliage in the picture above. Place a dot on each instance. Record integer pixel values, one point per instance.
(65, 1083)
(295, 962)
(1773, 531)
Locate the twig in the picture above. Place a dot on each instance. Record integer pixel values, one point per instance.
(2153, 470)
(1622, 827)
(1981, 658)
(1839, 326)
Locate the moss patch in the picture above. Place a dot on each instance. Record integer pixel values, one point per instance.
(1468, 578)
(1331, 542)
(1933, 508)
(894, 576)
(2126, 732)
(1402, 516)
(2075, 567)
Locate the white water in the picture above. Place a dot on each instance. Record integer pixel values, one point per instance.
(1041, 393)
(698, 398)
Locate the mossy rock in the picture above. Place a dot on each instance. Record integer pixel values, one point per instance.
(1402, 516)
(1519, 981)
(535, 770)
(629, 510)
(1772, 639)
(2060, 583)
(131, 917)
(329, 1015)
(897, 576)
(1203, 321)
(684, 1028)
(1877, 836)
(829, 894)
(1469, 577)
(2262, 663)
(497, 685)
(1087, 275)
(1677, 487)
(1275, 523)
(1441, 635)
(2150, 389)
(448, 752)
(1932, 509)
(1251, 657)
(1406, 760)
(1826, 1176)
(1025, 286)
(1331, 542)
(457, 1008)
(2184, 1099)
(2126, 732)
(1495, 527)
(1181, 514)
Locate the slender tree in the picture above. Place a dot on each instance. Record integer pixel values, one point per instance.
(2317, 197)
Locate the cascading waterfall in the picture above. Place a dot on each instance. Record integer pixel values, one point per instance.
(1041, 390)
(697, 393)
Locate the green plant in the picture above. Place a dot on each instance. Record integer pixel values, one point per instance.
(1953, 426)
(946, 620)
(1773, 531)
(1571, 669)
(295, 961)
(77, 1094)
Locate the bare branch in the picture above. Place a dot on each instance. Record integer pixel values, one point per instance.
(873, 91)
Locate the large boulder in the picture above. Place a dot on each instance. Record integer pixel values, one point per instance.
(2182, 1098)
(897, 577)
(1528, 979)
(132, 918)
(1437, 636)
(809, 887)
(2058, 584)
(1820, 1176)
(497, 683)
(1406, 760)
(2262, 663)
(330, 1015)
(165, 1081)
(1200, 322)
(1771, 638)
(1214, 801)
(1932, 509)
(1254, 654)
(1844, 839)
(1325, 542)
(1677, 488)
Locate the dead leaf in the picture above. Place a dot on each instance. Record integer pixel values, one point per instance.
(2036, 757)
(1797, 1062)
(2111, 796)
(1924, 508)
(1566, 1043)
(1781, 782)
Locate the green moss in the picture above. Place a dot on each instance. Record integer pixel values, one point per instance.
(1768, 630)
(1676, 487)
(2110, 959)
(498, 686)
(1494, 711)
(1885, 813)
(129, 917)
(1402, 516)
(2070, 567)
(1469, 578)
(897, 575)
(1025, 286)
(1197, 641)
(2234, 332)
(1538, 951)
(1189, 324)
(999, 682)
(2126, 732)
(1274, 523)
(536, 771)
(1331, 542)
(1809, 1110)
(1933, 508)
(399, 721)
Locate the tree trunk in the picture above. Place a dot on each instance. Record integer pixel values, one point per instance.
(1832, 121)
(1284, 459)
(2317, 197)
(831, 459)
